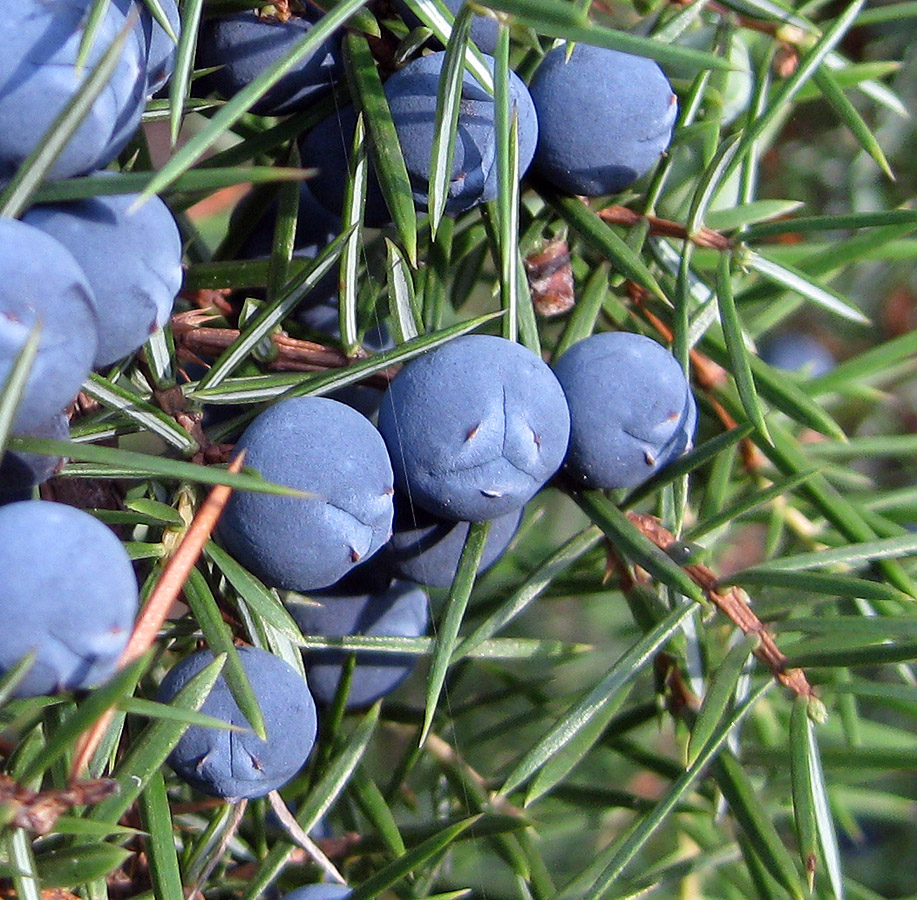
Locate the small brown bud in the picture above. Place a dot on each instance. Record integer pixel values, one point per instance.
(551, 278)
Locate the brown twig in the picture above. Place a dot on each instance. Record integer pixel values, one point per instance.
(733, 602)
(195, 340)
(38, 811)
(172, 401)
(212, 299)
(160, 601)
(213, 341)
(703, 237)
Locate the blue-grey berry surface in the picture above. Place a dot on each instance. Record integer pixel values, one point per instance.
(631, 408)
(245, 44)
(399, 611)
(370, 577)
(411, 94)
(321, 446)
(604, 118)
(132, 259)
(160, 47)
(426, 549)
(326, 147)
(67, 593)
(21, 471)
(683, 439)
(475, 427)
(796, 351)
(38, 79)
(41, 282)
(238, 764)
(484, 29)
(324, 891)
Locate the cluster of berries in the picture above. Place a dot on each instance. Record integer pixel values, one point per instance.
(389, 509)
(42, 70)
(621, 107)
(465, 433)
(468, 432)
(95, 277)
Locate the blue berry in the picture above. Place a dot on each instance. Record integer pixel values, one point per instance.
(370, 577)
(631, 409)
(399, 611)
(238, 764)
(132, 260)
(327, 148)
(318, 445)
(20, 471)
(67, 592)
(475, 427)
(326, 891)
(411, 94)
(160, 47)
(797, 352)
(40, 281)
(244, 44)
(41, 40)
(604, 118)
(684, 437)
(426, 549)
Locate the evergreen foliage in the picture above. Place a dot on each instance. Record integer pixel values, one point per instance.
(703, 686)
